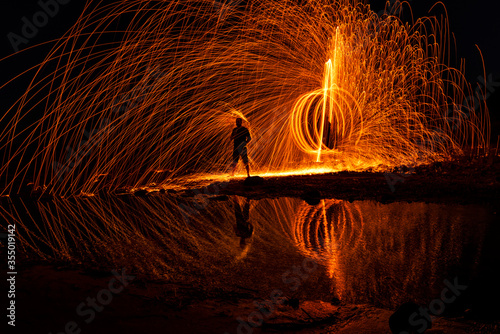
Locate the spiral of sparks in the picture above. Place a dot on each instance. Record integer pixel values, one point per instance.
(315, 81)
(362, 239)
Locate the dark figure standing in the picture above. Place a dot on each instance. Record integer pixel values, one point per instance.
(241, 137)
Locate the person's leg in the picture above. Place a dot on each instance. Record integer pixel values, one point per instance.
(233, 168)
(244, 158)
(246, 210)
(236, 157)
(238, 214)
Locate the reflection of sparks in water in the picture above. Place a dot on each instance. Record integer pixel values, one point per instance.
(371, 252)
(316, 81)
(325, 230)
(386, 253)
(149, 236)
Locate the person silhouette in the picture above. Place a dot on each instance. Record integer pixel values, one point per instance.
(243, 228)
(240, 136)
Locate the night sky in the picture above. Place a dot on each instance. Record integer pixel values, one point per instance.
(472, 22)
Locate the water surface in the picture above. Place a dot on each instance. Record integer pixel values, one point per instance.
(360, 252)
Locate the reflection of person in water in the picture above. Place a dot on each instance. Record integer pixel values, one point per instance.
(243, 228)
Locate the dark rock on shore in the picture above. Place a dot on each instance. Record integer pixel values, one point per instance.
(312, 197)
(253, 181)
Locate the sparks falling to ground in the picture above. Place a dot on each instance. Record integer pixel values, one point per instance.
(315, 81)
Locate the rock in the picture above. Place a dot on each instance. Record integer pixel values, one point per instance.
(312, 197)
(253, 181)
(141, 193)
(335, 301)
(399, 322)
(386, 198)
(219, 198)
(293, 302)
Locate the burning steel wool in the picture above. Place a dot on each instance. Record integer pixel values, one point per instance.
(154, 99)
